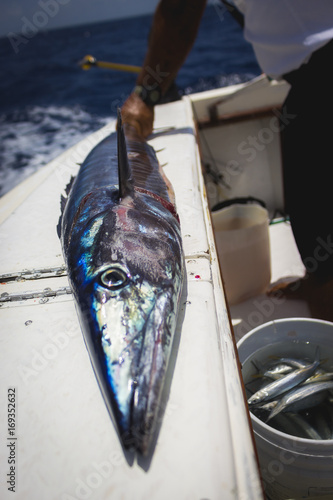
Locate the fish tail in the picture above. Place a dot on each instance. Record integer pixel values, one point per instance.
(317, 354)
(317, 357)
(274, 412)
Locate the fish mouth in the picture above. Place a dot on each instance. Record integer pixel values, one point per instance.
(133, 373)
(146, 402)
(141, 429)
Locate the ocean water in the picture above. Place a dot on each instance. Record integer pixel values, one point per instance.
(48, 103)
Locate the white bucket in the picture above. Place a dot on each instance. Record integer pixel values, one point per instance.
(291, 467)
(242, 240)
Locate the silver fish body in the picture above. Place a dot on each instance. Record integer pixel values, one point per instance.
(302, 397)
(277, 371)
(122, 245)
(293, 362)
(319, 376)
(282, 385)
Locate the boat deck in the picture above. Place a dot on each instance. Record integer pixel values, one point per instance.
(65, 445)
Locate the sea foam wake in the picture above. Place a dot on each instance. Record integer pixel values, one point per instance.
(32, 137)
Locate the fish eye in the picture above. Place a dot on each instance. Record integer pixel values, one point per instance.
(114, 278)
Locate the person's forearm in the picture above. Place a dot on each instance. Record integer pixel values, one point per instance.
(173, 32)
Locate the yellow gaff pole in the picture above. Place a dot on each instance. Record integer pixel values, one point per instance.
(89, 61)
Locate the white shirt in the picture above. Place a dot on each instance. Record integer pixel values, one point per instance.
(284, 33)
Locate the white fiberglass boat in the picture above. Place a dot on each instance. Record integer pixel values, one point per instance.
(59, 434)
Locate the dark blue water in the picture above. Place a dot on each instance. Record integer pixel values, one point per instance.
(48, 103)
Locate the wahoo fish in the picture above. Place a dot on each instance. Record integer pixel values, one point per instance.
(122, 245)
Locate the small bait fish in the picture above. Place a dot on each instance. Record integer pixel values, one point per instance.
(281, 385)
(305, 396)
(302, 409)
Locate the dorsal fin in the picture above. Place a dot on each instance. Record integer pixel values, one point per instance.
(69, 185)
(63, 201)
(124, 170)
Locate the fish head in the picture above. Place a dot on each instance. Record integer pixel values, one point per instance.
(127, 284)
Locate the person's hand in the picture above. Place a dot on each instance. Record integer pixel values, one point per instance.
(136, 113)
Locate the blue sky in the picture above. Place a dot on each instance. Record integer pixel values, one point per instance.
(18, 16)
